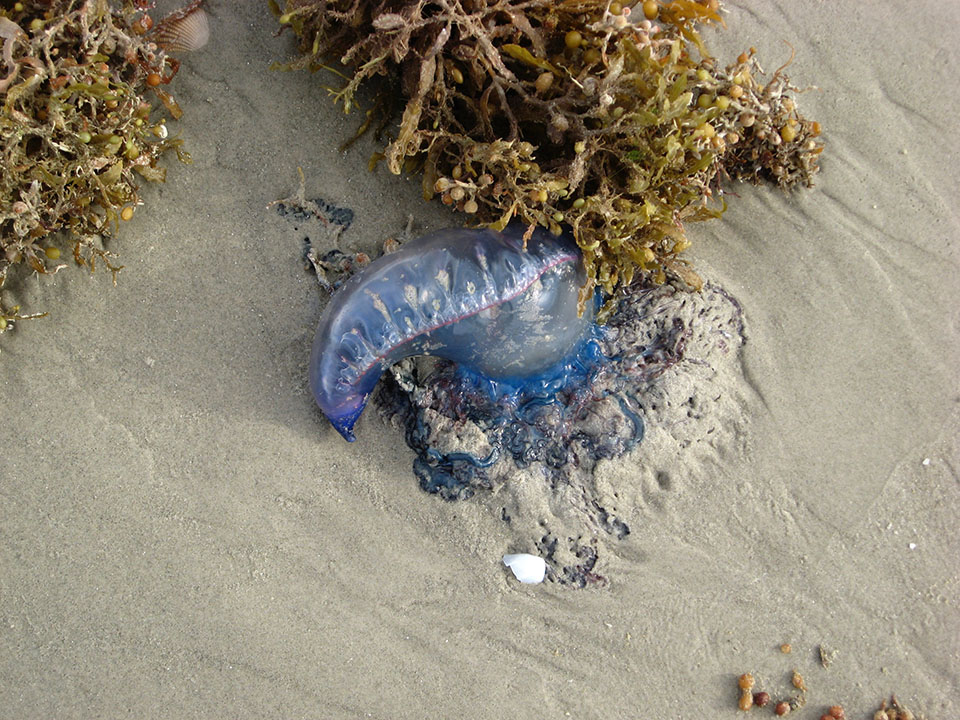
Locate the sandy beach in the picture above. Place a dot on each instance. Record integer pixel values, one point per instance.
(182, 533)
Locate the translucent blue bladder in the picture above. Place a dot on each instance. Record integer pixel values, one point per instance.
(474, 296)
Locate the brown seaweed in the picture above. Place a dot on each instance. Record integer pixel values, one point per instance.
(79, 130)
(585, 113)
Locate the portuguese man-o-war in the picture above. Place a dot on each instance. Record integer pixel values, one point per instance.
(501, 307)
(523, 395)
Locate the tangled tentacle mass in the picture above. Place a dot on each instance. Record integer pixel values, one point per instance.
(470, 435)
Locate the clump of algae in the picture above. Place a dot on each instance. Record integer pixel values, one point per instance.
(614, 121)
(78, 128)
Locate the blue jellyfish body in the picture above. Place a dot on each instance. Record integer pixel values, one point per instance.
(477, 297)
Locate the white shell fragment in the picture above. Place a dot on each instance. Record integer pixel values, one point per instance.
(528, 569)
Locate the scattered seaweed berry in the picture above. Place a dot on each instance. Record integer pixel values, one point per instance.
(797, 681)
(893, 710)
(745, 683)
(614, 121)
(79, 130)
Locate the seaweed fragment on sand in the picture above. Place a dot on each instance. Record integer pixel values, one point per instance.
(325, 223)
(615, 121)
(79, 129)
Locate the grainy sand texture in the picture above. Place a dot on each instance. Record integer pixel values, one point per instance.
(183, 535)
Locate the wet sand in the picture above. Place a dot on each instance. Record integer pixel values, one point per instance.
(183, 535)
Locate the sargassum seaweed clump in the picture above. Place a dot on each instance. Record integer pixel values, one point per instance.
(613, 120)
(79, 130)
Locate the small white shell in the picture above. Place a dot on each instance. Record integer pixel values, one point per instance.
(526, 568)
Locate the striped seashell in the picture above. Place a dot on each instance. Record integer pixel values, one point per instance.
(183, 30)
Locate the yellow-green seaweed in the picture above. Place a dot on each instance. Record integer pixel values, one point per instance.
(614, 122)
(78, 130)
